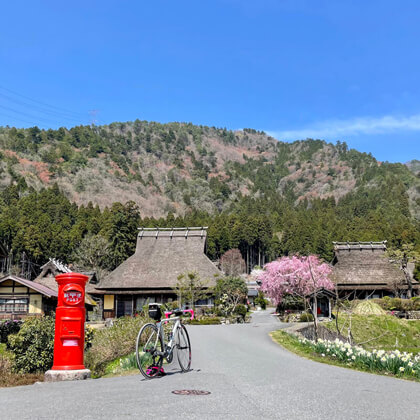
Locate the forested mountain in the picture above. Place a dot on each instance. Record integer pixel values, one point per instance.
(414, 166)
(263, 196)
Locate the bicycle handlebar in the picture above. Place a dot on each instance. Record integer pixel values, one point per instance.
(169, 313)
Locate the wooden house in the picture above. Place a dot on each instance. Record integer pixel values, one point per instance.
(151, 273)
(20, 298)
(362, 270)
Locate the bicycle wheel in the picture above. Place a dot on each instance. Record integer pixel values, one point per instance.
(149, 351)
(183, 349)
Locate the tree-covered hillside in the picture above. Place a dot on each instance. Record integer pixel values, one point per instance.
(175, 167)
(79, 194)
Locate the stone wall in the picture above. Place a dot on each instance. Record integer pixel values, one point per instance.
(323, 332)
(413, 314)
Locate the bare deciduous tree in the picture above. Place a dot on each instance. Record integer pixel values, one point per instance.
(91, 254)
(232, 263)
(402, 257)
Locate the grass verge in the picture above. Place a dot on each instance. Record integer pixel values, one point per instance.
(291, 342)
(125, 365)
(381, 332)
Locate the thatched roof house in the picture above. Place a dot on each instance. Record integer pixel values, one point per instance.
(54, 267)
(162, 254)
(362, 269)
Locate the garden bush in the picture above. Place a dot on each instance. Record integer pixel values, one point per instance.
(219, 312)
(204, 321)
(305, 317)
(113, 342)
(33, 345)
(260, 300)
(290, 317)
(290, 302)
(205, 311)
(397, 304)
(241, 310)
(416, 303)
(7, 328)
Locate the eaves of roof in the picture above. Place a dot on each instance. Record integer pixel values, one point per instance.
(44, 290)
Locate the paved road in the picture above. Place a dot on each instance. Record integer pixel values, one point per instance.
(248, 376)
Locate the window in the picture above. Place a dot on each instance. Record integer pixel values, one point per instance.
(140, 302)
(11, 305)
(124, 305)
(204, 302)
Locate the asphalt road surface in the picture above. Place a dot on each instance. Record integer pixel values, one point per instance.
(248, 376)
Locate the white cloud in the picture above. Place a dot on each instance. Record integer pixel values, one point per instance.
(337, 129)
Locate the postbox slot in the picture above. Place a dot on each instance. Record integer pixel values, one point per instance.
(71, 328)
(70, 343)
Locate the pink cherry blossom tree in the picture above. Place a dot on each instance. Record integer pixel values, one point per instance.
(297, 275)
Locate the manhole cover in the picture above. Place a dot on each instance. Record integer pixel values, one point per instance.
(190, 392)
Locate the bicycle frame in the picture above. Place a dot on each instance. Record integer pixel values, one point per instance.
(174, 336)
(152, 350)
(169, 344)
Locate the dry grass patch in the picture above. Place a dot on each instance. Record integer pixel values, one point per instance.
(9, 378)
(111, 343)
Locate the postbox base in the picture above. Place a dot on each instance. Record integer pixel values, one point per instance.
(66, 375)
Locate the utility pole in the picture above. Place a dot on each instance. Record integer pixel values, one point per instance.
(93, 116)
(10, 262)
(22, 270)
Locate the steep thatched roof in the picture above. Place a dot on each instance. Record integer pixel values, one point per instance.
(365, 266)
(161, 256)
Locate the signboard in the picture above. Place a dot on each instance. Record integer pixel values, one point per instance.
(73, 297)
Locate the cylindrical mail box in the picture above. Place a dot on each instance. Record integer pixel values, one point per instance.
(69, 339)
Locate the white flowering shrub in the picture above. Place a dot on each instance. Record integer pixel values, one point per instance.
(395, 362)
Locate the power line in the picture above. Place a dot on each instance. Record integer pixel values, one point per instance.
(46, 111)
(48, 120)
(22, 120)
(77, 114)
(42, 110)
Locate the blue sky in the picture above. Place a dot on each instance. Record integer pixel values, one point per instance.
(336, 70)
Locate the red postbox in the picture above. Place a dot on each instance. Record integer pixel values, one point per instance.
(69, 339)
